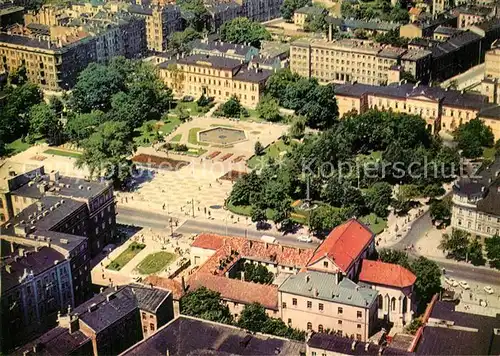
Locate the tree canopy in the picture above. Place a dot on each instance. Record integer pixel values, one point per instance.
(289, 6)
(241, 30)
(492, 245)
(179, 41)
(205, 303)
(472, 136)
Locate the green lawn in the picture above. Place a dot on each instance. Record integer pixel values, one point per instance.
(132, 250)
(192, 106)
(19, 146)
(489, 153)
(253, 116)
(375, 223)
(193, 137)
(155, 262)
(176, 138)
(169, 124)
(273, 151)
(56, 152)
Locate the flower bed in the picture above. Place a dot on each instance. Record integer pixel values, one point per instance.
(238, 159)
(233, 175)
(213, 154)
(225, 157)
(159, 162)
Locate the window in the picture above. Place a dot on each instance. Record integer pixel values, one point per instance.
(289, 321)
(309, 304)
(325, 264)
(320, 328)
(151, 326)
(339, 322)
(380, 300)
(309, 326)
(320, 306)
(283, 305)
(393, 304)
(359, 326)
(340, 310)
(313, 353)
(294, 301)
(359, 314)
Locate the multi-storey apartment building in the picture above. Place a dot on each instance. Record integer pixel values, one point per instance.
(440, 108)
(354, 60)
(161, 22)
(108, 323)
(215, 76)
(222, 12)
(54, 61)
(476, 207)
(470, 15)
(10, 14)
(260, 10)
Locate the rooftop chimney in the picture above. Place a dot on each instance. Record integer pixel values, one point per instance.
(308, 278)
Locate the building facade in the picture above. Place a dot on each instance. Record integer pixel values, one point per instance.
(354, 60)
(214, 76)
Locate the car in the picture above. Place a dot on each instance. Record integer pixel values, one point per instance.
(304, 238)
(464, 285)
(187, 99)
(488, 290)
(451, 282)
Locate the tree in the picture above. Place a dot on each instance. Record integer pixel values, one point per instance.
(472, 136)
(44, 122)
(289, 6)
(395, 257)
(56, 104)
(268, 109)
(258, 148)
(455, 245)
(244, 188)
(106, 152)
(282, 213)
(324, 218)
(180, 41)
(18, 76)
(80, 126)
(231, 108)
(257, 273)
(392, 38)
(316, 22)
(243, 30)
(258, 214)
(378, 198)
(492, 245)
(95, 87)
(475, 253)
(413, 326)
(440, 209)
(404, 196)
(298, 127)
(253, 317)
(182, 113)
(199, 18)
(205, 303)
(428, 281)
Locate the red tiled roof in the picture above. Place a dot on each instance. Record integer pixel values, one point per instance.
(344, 244)
(165, 283)
(237, 290)
(251, 249)
(387, 274)
(415, 11)
(209, 241)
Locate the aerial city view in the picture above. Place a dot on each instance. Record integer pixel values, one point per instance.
(249, 177)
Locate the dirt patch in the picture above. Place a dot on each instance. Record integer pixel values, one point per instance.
(159, 162)
(233, 175)
(38, 158)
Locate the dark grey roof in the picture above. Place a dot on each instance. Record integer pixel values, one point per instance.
(216, 62)
(190, 336)
(326, 287)
(445, 30)
(223, 47)
(311, 10)
(253, 75)
(110, 306)
(140, 10)
(470, 334)
(221, 7)
(70, 187)
(371, 25)
(32, 261)
(26, 41)
(473, 10)
(345, 346)
(489, 25)
(56, 341)
(490, 112)
(448, 97)
(337, 22)
(39, 28)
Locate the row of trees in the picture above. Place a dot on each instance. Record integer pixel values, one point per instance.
(204, 303)
(472, 136)
(379, 9)
(460, 246)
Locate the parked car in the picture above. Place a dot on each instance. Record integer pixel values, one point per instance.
(187, 98)
(488, 290)
(450, 282)
(464, 285)
(304, 238)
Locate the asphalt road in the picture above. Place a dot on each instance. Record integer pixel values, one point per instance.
(152, 220)
(459, 271)
(130, 216)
